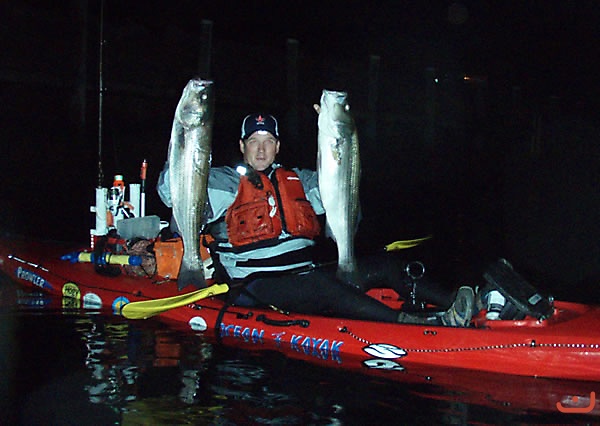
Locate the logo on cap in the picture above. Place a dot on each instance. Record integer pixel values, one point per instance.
(259, 122)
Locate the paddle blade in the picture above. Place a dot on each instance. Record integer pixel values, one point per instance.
(148, 308)
(406, 244)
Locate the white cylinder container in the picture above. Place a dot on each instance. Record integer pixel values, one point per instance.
(134, 198)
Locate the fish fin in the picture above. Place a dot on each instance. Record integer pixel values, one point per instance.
(328, 232)
(189, 276)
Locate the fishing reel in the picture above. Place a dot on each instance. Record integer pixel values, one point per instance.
(415, 270)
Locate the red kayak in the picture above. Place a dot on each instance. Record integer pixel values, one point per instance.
(566, 344)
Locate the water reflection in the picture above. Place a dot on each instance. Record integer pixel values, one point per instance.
(137, 368)
(113, 375)
(91, 367)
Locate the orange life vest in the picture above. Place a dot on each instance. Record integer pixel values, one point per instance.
(261, 214)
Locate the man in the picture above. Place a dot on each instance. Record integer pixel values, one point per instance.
(262, 224)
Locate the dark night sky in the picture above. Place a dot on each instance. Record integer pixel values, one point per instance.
(552, 45)
(549, 46)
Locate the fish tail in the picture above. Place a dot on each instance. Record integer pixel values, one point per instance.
(189, 276)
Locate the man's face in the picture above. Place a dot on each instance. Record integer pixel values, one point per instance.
(259, 150)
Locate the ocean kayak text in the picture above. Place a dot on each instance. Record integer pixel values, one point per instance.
(312, 346)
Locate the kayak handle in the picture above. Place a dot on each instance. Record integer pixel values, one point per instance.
(283, 323)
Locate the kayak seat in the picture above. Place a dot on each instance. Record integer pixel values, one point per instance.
(522, 299)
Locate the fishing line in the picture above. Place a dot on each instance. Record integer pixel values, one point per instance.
(100, 95)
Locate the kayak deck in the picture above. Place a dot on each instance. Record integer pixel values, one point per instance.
(565, 345)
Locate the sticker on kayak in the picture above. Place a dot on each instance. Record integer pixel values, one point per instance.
(118, 303)
(384, 350)
(71, 290)
(92, 301)
(198, 324)
(383, 364)
(71, 296)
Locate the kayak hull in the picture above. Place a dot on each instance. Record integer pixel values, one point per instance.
(565, 346)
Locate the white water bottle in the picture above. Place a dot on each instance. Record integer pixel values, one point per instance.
(495, 304)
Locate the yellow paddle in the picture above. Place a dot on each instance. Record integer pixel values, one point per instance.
(406, 244)
(148, 308)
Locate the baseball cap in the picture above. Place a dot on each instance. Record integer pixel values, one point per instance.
(257, 122)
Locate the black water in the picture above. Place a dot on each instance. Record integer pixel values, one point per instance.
(65, 367)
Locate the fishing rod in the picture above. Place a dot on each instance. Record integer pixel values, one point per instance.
(100, 95)
(141, 199)
(100, 206)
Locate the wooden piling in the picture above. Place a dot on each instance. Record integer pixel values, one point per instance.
(204, 56)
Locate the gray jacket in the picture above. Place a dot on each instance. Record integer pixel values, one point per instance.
(223, 183)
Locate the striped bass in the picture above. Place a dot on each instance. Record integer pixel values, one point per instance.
(189, 164)
(338, 169)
